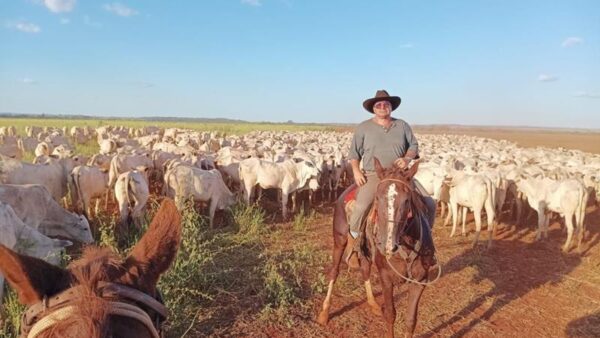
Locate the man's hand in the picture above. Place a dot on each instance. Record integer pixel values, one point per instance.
(359, 178)
(402, 162)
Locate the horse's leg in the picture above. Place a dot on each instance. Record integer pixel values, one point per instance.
(339, 243)
(365, 267)
(389, 312)
(414, 295)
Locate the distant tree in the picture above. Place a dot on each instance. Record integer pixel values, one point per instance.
(290, 122)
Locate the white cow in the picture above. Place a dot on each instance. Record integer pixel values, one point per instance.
(43, 148)
(88, 182)
(288, 176)
(35, 207)
(122, 163)
(568, 198)
(53, 174)
(185, 182)
(475, 192)
(132, 193)
(23, 239)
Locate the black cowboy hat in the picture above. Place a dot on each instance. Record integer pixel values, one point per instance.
(381, 95)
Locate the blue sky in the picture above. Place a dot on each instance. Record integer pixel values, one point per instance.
(533, 63)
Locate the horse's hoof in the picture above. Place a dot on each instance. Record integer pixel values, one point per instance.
(323, 318)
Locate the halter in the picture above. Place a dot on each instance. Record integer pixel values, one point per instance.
(413, 251)
(50, 311)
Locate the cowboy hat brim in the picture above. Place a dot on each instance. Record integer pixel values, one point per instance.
(393, 100)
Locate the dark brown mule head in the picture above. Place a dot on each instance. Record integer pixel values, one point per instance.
(394, 200)
(34, 279)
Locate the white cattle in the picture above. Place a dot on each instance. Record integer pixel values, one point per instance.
(568, 198)
(184, 182)
(89, 182)
(107, 147)
(132, 193)
(25, 240)
(100, 161)
(11, 150)
(475, 192)
(43, 148)
(288, 176)
(122, 163)
(36, 208)
(53, 174)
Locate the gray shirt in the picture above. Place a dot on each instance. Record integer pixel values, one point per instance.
(372, 140)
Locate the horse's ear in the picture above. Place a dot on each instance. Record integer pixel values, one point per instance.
(31, 277)
(378, 168)
(157, 249)
(413, 169)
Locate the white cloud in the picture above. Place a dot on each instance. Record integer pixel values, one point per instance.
(27, 81)
(587, 95)
(547, 78)
(406, 45)
(572, 41)
(59, 6)
(64, 21)
(120, 9)
(254, 3)
(90, 22)
(23, 26)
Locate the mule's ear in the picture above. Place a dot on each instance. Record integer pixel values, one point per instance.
(157, 249)
(413, 169)
(31, 277)
(378, 168)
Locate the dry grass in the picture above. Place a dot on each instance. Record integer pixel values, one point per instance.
(585, 141)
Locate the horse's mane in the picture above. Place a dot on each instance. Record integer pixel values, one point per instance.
(91, 311)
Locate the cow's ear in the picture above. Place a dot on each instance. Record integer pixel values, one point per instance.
(31, 277)
(157, 249)
(378, 167)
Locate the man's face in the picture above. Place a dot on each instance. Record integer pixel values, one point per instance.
(382, 109)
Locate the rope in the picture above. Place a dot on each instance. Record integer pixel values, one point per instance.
(410, 280)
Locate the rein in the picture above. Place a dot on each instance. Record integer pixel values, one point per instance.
(50, 311)
(414, 251)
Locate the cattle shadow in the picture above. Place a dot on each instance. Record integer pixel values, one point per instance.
(588, 326)
(511, 275)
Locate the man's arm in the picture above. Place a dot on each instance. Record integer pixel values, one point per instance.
(413, 148)
(356, 152)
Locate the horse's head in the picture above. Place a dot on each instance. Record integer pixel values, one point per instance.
(100, 294)
(394, 200)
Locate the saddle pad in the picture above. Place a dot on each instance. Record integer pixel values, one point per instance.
(351, 196)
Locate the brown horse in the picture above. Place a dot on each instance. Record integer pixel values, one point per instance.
(99, 295)
(393, 242)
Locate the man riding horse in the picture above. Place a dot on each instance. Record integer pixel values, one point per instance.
(393, 143)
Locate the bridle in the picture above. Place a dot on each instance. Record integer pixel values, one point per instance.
(122, 301)
(414, 251)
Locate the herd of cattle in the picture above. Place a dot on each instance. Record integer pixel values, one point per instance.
(462, 173)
